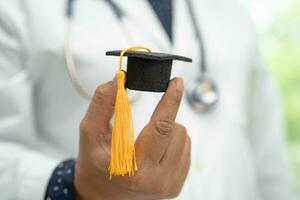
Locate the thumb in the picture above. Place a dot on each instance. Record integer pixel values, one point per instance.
(101, 107)
(153, 142)
(169, 104)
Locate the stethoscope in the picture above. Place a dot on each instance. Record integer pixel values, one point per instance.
(201, 92)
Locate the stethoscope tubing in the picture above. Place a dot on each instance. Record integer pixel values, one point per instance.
(196, 98)
(68, 51)
(198, 34)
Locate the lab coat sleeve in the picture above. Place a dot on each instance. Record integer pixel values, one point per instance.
(24, 172)
(267, 135)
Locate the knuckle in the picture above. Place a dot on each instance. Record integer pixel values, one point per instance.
(181, 131)
(164, 126)
(83, 127)
(101, 93)
(180, 128)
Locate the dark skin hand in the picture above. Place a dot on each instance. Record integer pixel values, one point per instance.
(163, 151)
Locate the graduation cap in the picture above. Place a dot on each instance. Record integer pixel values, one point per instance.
(146, 71)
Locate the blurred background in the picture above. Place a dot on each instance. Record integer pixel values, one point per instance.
(278, 22)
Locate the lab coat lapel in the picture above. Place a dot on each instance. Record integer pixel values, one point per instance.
(145, 25)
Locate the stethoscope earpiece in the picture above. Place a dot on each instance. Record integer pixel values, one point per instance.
(202, 94)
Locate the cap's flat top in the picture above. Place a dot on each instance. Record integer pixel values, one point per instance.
(149, 55)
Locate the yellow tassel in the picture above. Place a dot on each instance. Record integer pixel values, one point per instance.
(123, 160)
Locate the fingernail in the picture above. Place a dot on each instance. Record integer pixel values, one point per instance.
(179, 84)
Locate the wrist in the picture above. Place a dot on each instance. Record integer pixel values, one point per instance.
(84, 186)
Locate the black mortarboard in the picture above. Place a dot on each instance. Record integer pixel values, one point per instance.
(148, 71)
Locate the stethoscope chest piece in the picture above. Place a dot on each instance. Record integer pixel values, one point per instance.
(202, 94)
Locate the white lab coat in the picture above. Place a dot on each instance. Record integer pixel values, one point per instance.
(237, 150)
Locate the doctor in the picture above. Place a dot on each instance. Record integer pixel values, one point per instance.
(238, 147)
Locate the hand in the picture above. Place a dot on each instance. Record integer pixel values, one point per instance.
(162, 151)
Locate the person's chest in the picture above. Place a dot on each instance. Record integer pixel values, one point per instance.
(220, 150)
